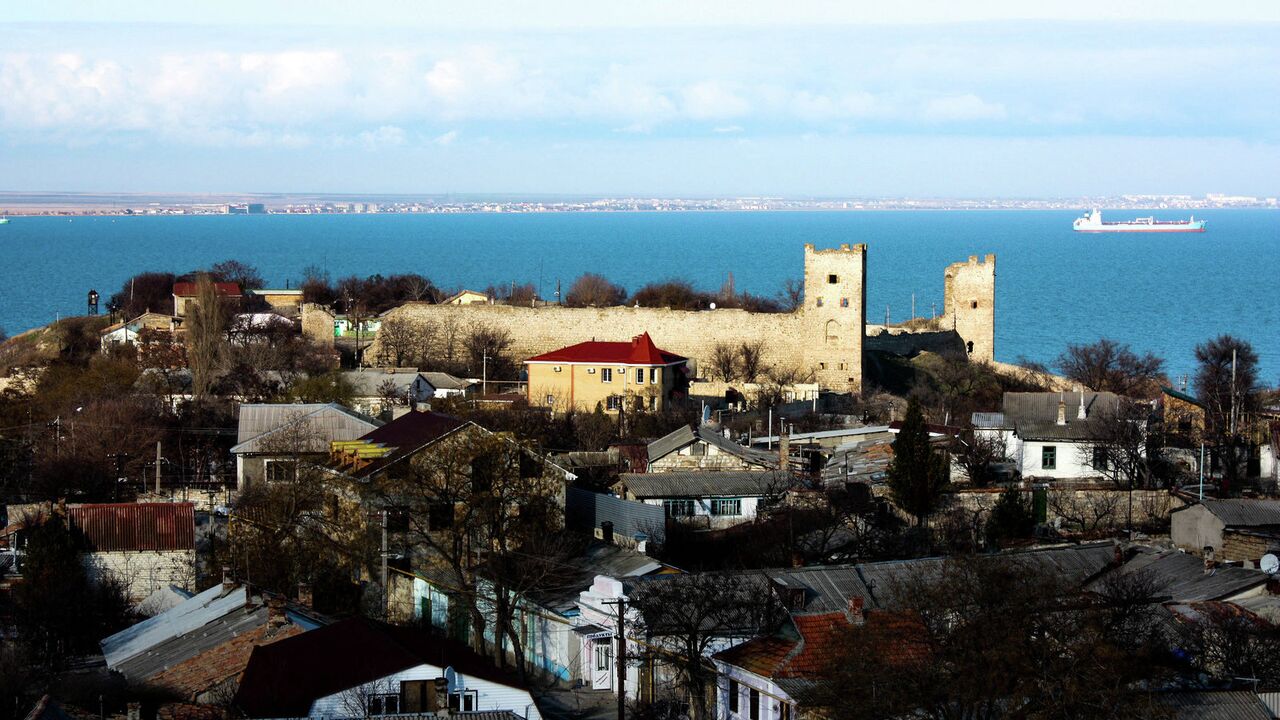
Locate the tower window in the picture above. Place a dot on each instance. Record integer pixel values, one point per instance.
(844, 302)
(974, 304)
(819, 302)
(969, 346)
(833, 279)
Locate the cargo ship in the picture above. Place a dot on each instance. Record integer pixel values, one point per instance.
(1092, 223)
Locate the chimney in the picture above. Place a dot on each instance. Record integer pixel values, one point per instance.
(304, 594)
(1082, 414)
(784, 449)
(1209, 562)
(228, 582)
(1062, 410)
(855, 612)
(276, 617)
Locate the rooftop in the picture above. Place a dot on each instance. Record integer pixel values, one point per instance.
(136, 526)
(684, 436)
(640, 351)
(1034, 415)
(705, 483)
(191, 289)
(1242, 512)
(260, 423)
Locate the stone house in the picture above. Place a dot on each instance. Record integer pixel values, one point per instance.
(377, 391)
(360, 668)
(286, 302)
(145, 546)
(705, 448)
(611, 375)
(185, 295)
(1049, 435)
(711, 500)
(466, 297)
(272, 438)
(127, 332)
(1235, 530)
(1182, 415)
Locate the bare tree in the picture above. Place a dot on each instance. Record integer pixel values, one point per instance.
(751, 357)
(976, 453)
(1088, 513)
(684, 615)
(792, 294)
(487, 350)
(207, 323)
(1122, 447)
(592, 290)
(724, 362)
(400, 342)
(1108, 366)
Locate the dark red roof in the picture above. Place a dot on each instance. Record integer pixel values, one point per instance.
(190, 289)
(414, 429)
(283, 679)
(136, 526)
(640, 351)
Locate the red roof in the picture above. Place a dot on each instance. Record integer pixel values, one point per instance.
(190, 289)
(136, 526)
(640, 351)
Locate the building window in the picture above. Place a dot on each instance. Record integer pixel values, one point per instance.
(551, 399)
(726, 506)
(844, 302)
(654, 375)
(818, 302)
(734, 692)
(833, 279)
(969, 346)
(1049, 458)
(754, 707)
(1099, 458)
(604, 654)
(678, 508)
(974, 304)
(784, 711)
(639, 376)
(606, 374)
(613, 402)
(384, 704)
(281, 470)
(464, 701)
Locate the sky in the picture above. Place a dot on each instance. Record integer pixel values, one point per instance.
(662, 98)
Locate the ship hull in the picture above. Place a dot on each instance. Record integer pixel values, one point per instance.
(1140, 229)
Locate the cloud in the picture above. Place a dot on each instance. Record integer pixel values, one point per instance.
(962, 108)
(446, 139)
(710, 100)
(387, 136)
(727, 129)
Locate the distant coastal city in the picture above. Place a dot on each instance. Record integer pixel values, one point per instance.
(15, 204)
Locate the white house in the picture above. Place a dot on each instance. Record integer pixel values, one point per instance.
(360, 668)
(709, 499)
(1049, 435)
(273, 437)
(127, 332)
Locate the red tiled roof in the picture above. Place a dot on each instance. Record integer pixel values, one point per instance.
(640, 351)
(764, 656)
(136, 526)
(190, 289)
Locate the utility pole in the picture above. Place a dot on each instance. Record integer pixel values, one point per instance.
(119, 458)
(159, 460)
(621, 657)
(886, 316)
(484, 372)
(913, 306)
(1233, 393)
(385, 595)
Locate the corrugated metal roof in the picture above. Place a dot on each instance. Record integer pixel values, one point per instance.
(136, 526)
(684, 436)
(827, 588)
(585, 511)
(1231, 705)
(825, 434)
(367, 383)
(1241, 512)
(184, 617)
(705, 483)
(445, 381)
(1034, 415)
(325, 422)
(1181, 577)
(174, 650)
(989, 420)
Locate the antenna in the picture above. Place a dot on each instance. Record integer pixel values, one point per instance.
(1269, 564)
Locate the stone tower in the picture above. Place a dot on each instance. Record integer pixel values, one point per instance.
(969, 302)
(835, 300)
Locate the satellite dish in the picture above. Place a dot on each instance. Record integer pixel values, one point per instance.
(1270, 564)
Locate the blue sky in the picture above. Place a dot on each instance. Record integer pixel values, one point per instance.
(660, 98)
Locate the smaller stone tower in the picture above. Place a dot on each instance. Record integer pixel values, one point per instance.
(317, 324)
(835, 300)
(969, 301)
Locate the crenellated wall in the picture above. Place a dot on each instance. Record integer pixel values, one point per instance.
(825, 336)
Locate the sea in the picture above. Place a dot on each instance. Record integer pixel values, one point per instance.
(1158, 293)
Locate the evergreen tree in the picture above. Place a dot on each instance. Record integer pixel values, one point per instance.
(917, 476)
(1010, 518)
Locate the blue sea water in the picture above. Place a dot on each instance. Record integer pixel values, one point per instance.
(1162, 293)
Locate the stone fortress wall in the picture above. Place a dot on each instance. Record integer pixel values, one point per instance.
(825, 336)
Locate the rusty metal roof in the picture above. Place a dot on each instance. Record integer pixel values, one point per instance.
(136, 526)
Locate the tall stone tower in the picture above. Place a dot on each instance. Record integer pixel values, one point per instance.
(835, 300)
(969, 301)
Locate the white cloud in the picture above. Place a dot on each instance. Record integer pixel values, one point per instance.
(387, 136)
(727, 129)
(953, 108)
(446, 139)
(711, 99)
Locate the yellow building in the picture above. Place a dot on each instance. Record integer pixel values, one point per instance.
(613, 375)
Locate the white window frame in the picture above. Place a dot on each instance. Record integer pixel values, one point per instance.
(606, 375)
(655, 376)
(1044, 455)
(613, 402)
(718, 507)
(668, 506)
